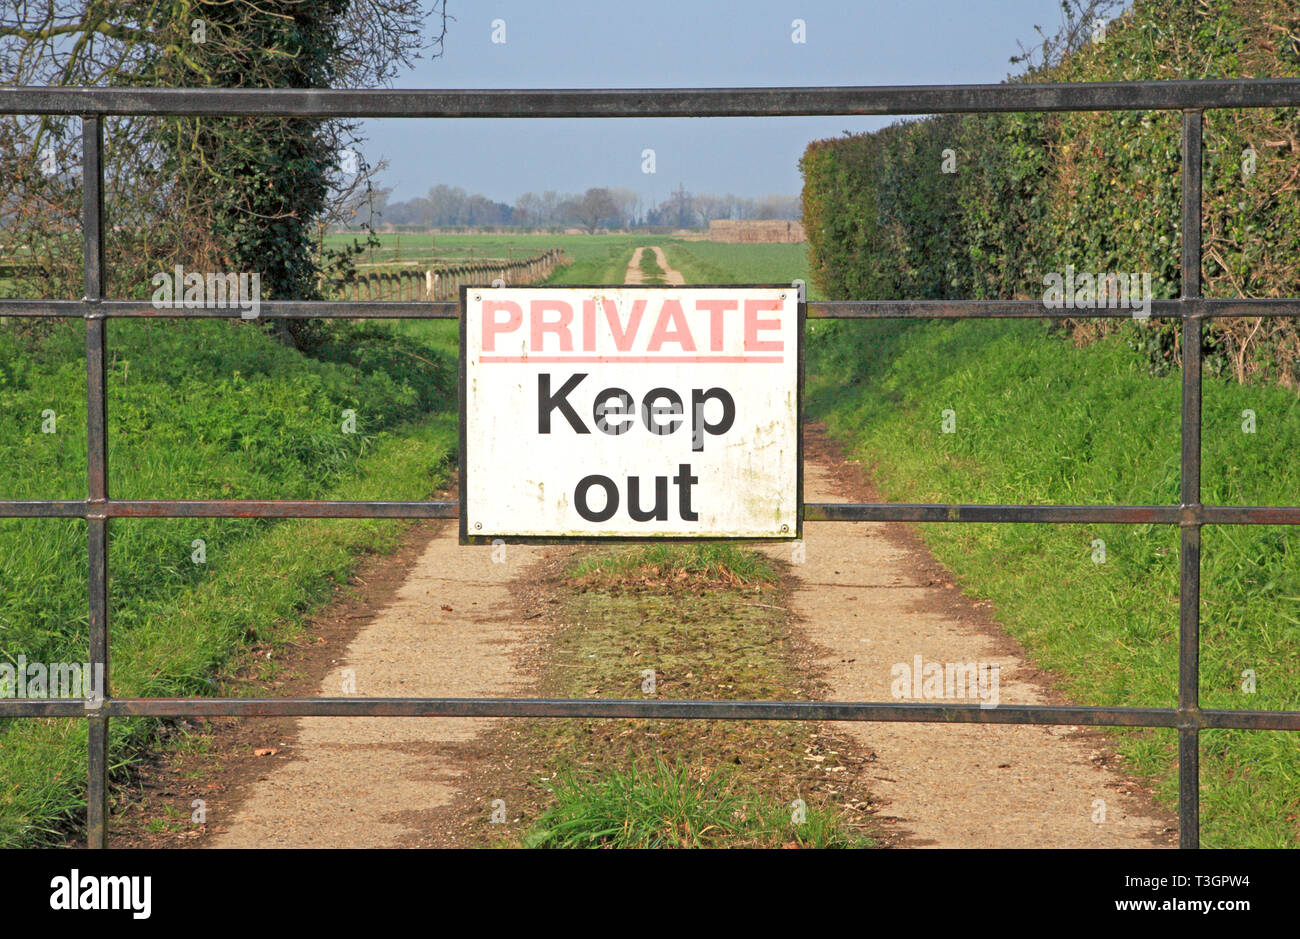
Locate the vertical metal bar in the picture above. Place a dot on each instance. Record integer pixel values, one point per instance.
(92, 175)
(1189, 586)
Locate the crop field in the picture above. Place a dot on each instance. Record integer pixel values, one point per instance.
(598, 259)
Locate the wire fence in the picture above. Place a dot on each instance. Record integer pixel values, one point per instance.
(444, 282)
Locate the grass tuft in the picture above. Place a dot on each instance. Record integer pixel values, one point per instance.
(651, 272)
(703, 565)
(663, 805)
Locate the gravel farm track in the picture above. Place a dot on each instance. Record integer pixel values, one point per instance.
(439, 619)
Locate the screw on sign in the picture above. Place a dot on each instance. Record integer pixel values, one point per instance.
(630, 412)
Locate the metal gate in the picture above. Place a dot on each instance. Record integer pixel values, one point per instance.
(1191, 310)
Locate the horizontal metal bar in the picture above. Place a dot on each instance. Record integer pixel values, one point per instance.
(227, 508)
(1221, 307)
(33, 508)
(1210, 719)
(972, 309)
(587, 707)
(1249, 515)
(899, 512)
(813, 511)
(657, 709)
(280, 508)
(1096, 514)
(817, 309)
(1032, 309)
(657, 102)
(268, 309)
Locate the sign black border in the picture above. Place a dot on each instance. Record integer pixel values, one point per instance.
(463, 467)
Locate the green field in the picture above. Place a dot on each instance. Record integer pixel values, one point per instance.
(597, 259)
(421, 250)
(707, 262)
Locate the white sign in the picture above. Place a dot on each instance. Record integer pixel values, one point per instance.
(634, 412)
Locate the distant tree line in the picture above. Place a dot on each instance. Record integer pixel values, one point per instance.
(600, 207)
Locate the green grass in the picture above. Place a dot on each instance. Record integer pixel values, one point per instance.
(1039, 421)
(710, 262)
(201, 409)
(722, 563)
(651, 272)
(664, 806)
(417, 249)
(700, 622)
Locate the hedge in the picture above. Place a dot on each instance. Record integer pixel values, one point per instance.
(1034, 193)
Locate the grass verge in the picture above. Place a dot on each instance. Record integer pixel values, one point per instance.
(203, 409)
(261, 593)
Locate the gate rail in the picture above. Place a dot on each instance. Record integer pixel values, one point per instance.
(1192, 98)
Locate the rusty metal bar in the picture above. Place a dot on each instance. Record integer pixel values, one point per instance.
(595, 707)
(267, 309)
(813, 511)
(92, 175)
(280, 508)
(1061, 514)
(1034, 309)
(659, 709)
(1189, 585)
(658, 102)
(1209, 307)
(902, 512)
(55, 508)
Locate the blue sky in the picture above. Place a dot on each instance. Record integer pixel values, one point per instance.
(593, 44)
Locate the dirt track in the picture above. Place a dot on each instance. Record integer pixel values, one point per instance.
(634, 276)
(871, 597)
(366, 782)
